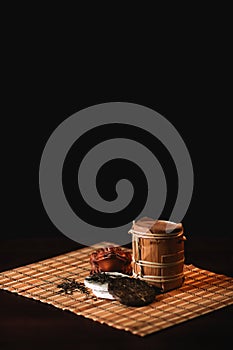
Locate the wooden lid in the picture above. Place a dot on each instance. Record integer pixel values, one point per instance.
(149, 225)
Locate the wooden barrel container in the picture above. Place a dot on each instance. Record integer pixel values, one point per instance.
(158, 252)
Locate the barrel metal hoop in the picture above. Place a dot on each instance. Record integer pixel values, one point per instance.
(156, 264)
(160, 279)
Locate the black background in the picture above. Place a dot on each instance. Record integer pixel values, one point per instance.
(182, 71)
(194, 98)
(55, 64)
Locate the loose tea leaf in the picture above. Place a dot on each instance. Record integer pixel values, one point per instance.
(100, 277)
(71, 285)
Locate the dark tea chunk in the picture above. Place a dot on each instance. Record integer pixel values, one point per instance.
(132, 291)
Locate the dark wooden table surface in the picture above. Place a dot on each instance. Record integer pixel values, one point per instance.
(29, 324)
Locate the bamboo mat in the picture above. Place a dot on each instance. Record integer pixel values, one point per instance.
(202, 292)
